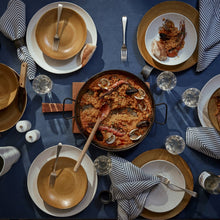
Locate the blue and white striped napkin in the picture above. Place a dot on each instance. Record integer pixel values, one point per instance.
(130, 187)
(13, 26)
(209, 33)
(205, 140)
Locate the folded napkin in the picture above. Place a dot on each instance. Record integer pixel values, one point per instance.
(209, 32)
(13, 26)
(205, 140)
(130, 187)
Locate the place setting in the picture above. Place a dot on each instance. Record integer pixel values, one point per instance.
(76, 32)
(68, 192)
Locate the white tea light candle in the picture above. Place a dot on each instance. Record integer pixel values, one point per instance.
(23, 126)
(32, 136)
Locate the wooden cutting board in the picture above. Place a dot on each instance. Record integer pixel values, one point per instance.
(58, 107)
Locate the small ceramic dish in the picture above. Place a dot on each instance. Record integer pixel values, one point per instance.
(190, 38)
(70, 187)
(72, 31)
(8, 86)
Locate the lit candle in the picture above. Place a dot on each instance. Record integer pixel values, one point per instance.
(23, 126)
(32, 136)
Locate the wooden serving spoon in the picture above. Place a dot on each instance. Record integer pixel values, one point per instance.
(104, 111)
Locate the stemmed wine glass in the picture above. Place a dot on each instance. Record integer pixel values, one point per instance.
(166, 81)
(175, 144)
(103, 165)
(42, 84)
(190, 97)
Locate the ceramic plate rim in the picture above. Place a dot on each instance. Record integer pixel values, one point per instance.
(60, 56)
(58, 66)
(206, 92)
(32, 176)
(180, 198)
(175, 60)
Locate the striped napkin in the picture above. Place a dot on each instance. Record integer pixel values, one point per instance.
(205, 140)
(130, 187)
(209, 32)
(13, 26)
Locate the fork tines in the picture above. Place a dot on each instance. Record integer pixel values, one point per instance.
(123, 53)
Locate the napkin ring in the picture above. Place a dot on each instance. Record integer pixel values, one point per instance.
(19, 42)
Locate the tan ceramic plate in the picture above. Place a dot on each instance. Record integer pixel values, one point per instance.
(11, 115)
(212, 109)
(8, 86)
(70, 187)
(72, 29)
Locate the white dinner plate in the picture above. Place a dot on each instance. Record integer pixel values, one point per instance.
(161, 198)
(47, 63)
(44, 157)
(190, 39)
(208, 89)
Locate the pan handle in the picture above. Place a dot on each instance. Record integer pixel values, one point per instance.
(165, 120)
(64, 102)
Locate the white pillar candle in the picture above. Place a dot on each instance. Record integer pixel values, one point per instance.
(23, 126)
(32, 136)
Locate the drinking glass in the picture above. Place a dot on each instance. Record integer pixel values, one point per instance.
(175, 144)
(166, 81)
(42, 84)
(103, 165)
(190, 97)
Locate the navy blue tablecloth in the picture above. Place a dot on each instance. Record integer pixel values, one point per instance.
(15, 201)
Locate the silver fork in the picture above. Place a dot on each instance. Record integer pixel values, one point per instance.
(174, 187)
(56, 39)
(53, 174)
(124, 48)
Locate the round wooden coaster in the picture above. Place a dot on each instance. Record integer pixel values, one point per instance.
(159, 9)
(161, 154)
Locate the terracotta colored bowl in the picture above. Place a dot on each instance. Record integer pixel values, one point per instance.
(72, 31)
(10, 115)
(70, 187)
(8, 86)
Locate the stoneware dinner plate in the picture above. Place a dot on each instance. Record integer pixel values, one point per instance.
(72, 31)
(212, 109)
(206, 93)
(8, 86)
(47, 155)
(69, 188)
(10, 115)
(177, 160)
(190, 39)
(161, 198)
(58, 66)
(163, 8)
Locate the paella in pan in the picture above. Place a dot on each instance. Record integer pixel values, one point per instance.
(132, 109)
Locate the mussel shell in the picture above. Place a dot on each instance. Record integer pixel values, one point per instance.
(133, 135)
(99, 135)
(131, 91)
(142, 124)
(111, 139)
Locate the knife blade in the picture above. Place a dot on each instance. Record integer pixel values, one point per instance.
(21, 88)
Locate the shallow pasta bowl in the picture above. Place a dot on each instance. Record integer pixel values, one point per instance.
(190, 39)
(70, 187)
(8, 86)
(72, 32)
